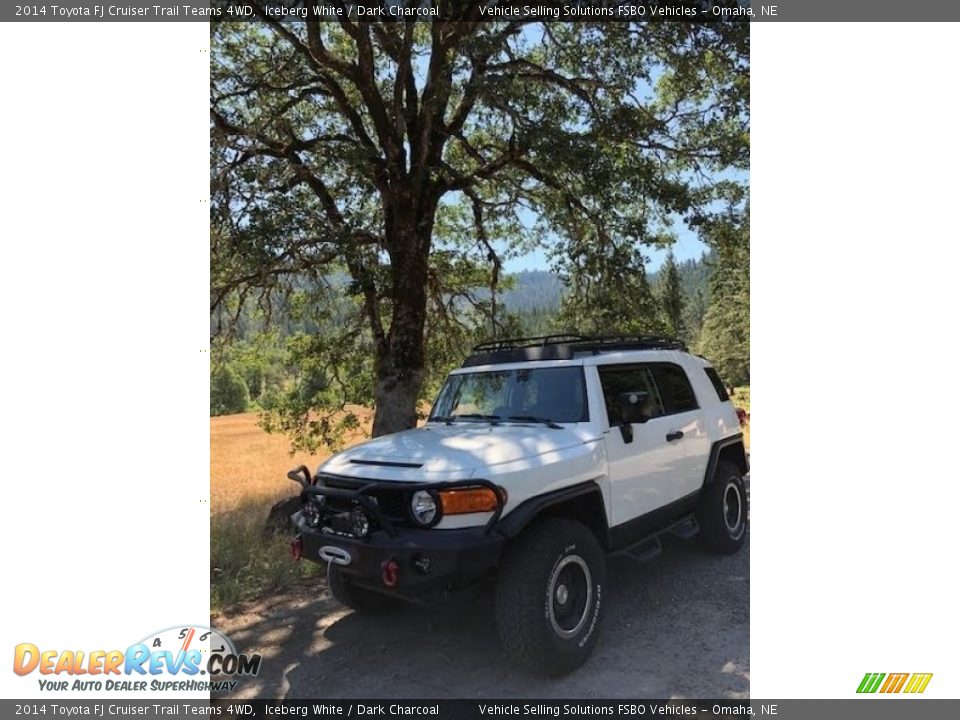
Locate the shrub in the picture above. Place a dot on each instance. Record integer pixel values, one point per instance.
(228, 391)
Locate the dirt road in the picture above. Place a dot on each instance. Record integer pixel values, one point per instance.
(676, 627)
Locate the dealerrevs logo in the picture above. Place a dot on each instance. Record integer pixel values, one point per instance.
(182, 659)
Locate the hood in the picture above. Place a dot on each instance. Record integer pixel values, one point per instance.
(461, 449)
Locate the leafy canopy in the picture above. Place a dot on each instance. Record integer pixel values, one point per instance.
(413, 159)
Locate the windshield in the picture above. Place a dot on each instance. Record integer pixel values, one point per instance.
(534, 394)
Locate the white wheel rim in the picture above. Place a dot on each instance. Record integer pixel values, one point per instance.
(564, 597)
(733, 509)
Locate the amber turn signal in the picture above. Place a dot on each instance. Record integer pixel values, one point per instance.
(470, 500)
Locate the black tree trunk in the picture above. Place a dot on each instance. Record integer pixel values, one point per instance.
(401, 360)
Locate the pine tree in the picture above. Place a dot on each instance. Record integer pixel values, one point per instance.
(725, 338)
(694, 313)
(609, 293)
(670, 295)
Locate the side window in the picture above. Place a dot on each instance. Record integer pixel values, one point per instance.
(717, 384)
(675, 391)
(617, 379)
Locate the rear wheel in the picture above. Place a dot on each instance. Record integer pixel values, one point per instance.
(549, 598)
(354, 597)
(722, 511)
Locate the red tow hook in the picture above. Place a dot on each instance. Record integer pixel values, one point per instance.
(390, 573)
(296, 548)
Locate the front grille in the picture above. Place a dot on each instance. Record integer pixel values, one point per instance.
(393, 503)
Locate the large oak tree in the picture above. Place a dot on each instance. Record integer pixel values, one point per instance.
(355, 149)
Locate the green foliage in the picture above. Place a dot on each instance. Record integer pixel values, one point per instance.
(282, 367)
(324, 359)
(260, 362)
(228, 391)
(373, 178)
(609, 293)
(725, 337)
(693, 314)
(532, 290)
(329, 371)
(672, 302)
(539, 321)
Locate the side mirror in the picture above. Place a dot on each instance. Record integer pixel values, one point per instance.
(633, 408)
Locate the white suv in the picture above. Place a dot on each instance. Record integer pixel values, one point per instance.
(541, 456)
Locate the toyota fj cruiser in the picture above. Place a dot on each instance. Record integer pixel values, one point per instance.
(540, 456)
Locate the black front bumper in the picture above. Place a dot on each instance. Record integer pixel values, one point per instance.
(423, 557)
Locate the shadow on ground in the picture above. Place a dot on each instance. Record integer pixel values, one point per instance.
(677, 626)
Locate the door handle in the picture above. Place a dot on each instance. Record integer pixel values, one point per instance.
(675, 435)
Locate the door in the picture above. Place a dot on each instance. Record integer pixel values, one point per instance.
(685, 423)
(651, 470)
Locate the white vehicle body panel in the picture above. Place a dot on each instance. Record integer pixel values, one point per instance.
(457, 449)
(531, 459)
(647, 473)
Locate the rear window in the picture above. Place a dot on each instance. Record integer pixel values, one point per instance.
(675, 391)
(633, 378)
(717, 384)
(666, 384)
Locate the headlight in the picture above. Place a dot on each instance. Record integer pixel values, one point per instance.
(359, 522)
(312, 510)
(423, 507)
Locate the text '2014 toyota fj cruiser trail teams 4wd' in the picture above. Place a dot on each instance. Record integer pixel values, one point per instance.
(540, 456)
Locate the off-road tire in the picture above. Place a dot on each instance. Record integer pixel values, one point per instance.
(720, 532)
(356, 598)
(528, 620)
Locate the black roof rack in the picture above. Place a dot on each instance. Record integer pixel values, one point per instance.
(563, 347)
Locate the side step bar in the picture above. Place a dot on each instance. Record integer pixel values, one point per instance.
(686, 528)
(644, 551)
(649, 547)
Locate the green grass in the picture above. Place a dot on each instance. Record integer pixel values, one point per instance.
(245, 564)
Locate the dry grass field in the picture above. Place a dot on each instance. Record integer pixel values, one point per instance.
(248, 474)
(249, 466)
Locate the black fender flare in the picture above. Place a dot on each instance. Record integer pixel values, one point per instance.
(521, 516)
(717, 448)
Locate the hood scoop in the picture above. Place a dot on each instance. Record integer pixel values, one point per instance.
(386, 463)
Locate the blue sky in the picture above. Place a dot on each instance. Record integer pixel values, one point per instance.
(688, 246)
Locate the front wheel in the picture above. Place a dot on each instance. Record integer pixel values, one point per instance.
(722, 511)
(550, 596)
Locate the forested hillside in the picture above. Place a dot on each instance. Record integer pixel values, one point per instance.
(544, 289)
(265, 363)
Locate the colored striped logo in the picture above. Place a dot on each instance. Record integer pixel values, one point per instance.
(894, 682)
